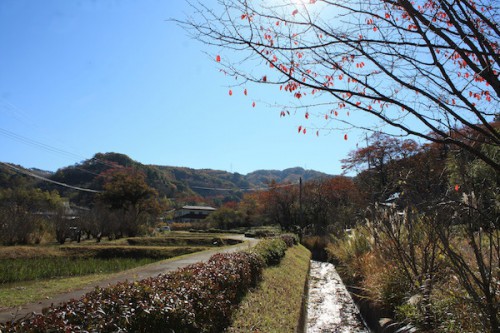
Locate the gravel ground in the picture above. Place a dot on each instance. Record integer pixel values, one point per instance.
(330, 306)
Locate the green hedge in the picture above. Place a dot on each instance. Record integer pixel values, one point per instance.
(271, 250)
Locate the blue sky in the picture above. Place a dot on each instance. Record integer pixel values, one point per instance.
(82, 77)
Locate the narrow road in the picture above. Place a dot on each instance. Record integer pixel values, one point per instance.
(135, 274)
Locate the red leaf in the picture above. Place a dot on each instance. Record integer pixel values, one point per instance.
(230, 92)
(217, 58)
(300, 129)
(304, 131)
(345, 137)
(295, 12)
(457, 187)
(264, 78)
(317, 133)
(307, 115)
(245, 92)
(253, 104)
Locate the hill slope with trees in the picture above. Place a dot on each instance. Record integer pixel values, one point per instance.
(179, 183)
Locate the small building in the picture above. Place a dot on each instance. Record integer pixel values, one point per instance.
(192, 213)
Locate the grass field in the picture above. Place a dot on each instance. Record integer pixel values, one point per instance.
(29, 273)
(275, 305)
(17, 270)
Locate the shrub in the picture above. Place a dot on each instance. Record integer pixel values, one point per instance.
(271, 250)
(290, 239)
(198, 298)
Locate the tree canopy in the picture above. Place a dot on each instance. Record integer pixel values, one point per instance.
(423, 68)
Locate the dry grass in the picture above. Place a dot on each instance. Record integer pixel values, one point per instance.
(18, 252)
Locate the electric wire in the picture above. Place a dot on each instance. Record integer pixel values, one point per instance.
(250, 189)
(29, 173)
(40, 145)
(37, 144)
(49, 148)
(24, 118)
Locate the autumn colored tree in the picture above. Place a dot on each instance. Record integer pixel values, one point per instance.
(252, 209)
(330, 205)
(24, 214)
(445, 215)
(425, 68)
(375, 165)
(474, 204)
(133, 201)
(280, 205)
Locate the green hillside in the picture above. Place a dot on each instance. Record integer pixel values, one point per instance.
(183, 185)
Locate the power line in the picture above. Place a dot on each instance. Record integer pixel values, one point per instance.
(29, 173)
(243, 189)
(19, 114)
(38, 144)
(35, 144)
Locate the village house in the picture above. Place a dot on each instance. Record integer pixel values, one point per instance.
(192, 213)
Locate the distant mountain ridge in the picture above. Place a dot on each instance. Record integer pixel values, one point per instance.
(290, 175)
(169, 181)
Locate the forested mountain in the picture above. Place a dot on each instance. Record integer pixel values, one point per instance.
(290, 175)
(180, 183)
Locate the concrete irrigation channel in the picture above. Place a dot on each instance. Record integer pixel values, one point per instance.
(330, 307)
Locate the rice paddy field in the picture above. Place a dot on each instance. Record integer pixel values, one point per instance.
(25, 266)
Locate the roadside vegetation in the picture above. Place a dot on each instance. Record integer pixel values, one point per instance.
(275, 305)
(415, 233)
(197, 298)
(29, 273)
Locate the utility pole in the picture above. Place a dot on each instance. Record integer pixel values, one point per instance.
(300, 206)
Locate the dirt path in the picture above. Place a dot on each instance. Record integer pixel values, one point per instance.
(135, 274)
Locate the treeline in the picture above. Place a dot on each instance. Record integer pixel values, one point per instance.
(125, 206)
(121, 197)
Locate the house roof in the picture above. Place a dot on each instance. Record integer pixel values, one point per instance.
(198, 208)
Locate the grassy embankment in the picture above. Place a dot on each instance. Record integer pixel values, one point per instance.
(30, 273)
(275, 305)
